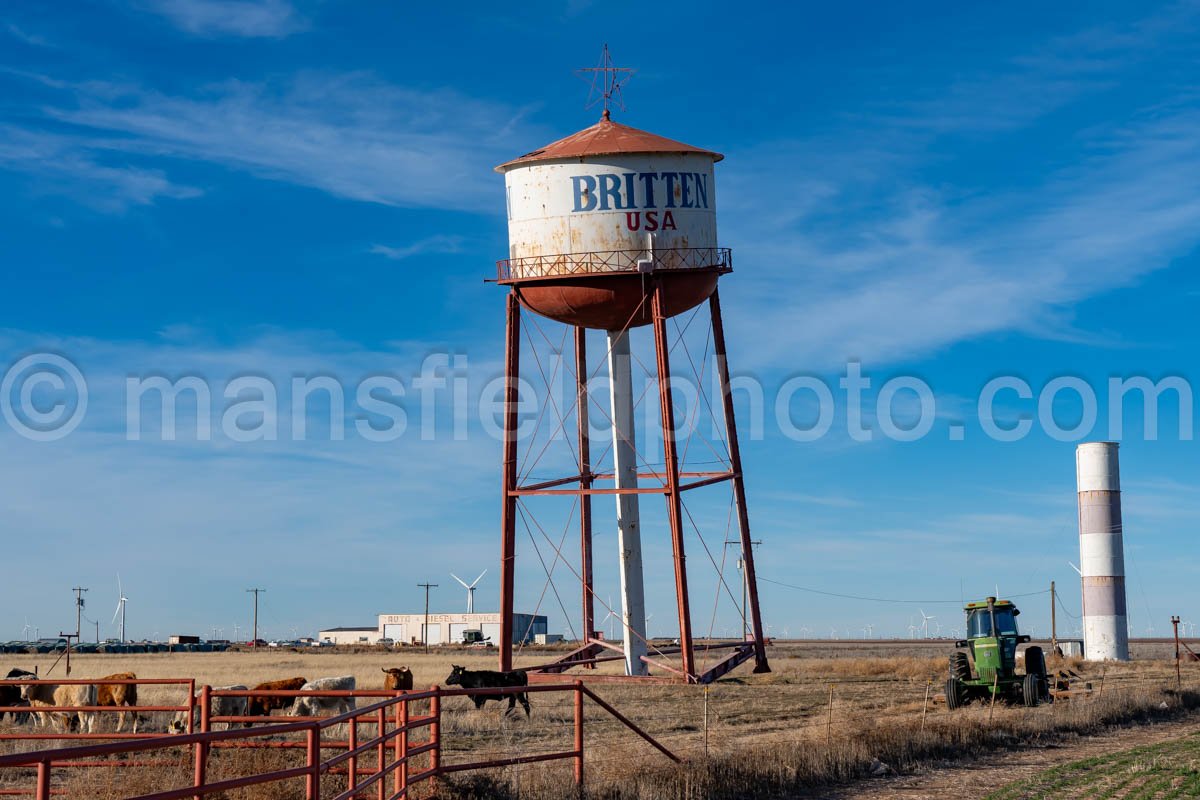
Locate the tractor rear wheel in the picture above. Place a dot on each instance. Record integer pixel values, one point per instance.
(960, 667)
(956, 694)
(1035, 664)
(1031, 690)
(1035, 661)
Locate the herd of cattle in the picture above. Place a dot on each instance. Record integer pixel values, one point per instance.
(42, 697)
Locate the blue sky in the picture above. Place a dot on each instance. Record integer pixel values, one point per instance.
(279, 188)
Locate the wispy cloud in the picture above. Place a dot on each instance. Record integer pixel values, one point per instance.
(245, 18)
(61, 164)
(31, 39)
(434, 244)
(885, 265)
(350, 135)
(149, 497)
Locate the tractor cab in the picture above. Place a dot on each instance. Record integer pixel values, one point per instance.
(985, 663)
(992, 637)
(979, 619)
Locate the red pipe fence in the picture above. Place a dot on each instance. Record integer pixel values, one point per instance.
(392, 720)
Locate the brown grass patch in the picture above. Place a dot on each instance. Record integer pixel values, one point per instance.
(767, 735)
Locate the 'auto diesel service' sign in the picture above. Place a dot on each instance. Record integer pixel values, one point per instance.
(634, 202)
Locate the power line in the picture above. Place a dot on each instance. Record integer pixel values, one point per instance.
(882, 599)
(1064, 609)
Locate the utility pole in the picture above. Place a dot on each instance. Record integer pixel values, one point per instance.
(1175, 625)
(1053, 619)
(741, 565)
(425, 633)
(79, 590)
(256, 593)
(97, 633)
(68, 637)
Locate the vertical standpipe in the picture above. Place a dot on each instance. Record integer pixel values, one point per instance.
(629, 528)
(1102, 552)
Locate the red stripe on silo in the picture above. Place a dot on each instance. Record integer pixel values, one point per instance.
(1104, 596)
(1099, 512)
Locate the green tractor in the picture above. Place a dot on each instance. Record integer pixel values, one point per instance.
(985, 663)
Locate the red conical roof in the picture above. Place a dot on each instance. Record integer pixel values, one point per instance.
(607, 138)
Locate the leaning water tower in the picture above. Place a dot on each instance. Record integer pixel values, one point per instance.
(614, 229)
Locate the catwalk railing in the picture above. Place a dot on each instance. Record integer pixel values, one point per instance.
(613, 261)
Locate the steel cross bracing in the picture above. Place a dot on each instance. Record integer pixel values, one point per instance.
(669, 477)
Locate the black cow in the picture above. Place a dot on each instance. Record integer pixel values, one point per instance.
(489, 679)
(11, 695)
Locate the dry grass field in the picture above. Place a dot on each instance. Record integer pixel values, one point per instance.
(773, 735)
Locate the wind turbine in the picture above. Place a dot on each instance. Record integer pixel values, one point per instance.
(925, 620)
(869, 629)
(120, 607)
(25, 630)
(611, 616)
(912, 629)
(470, 587)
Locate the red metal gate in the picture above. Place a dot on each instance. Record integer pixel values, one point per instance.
(393, 721)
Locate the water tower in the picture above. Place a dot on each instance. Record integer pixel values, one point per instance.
(614, 229)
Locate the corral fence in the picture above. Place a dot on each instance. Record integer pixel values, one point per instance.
(404, 747)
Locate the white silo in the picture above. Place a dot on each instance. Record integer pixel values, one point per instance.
(1102, 552)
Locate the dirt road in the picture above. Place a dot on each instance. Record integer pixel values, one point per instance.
(977, 778)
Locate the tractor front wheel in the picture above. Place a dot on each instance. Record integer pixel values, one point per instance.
(960, 667)
(1031, 690)
(956, 694)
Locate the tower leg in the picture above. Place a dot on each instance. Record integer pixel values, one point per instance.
(629, 527)
(671, 468)
(508, 548)
(585, 483)
(739, 486)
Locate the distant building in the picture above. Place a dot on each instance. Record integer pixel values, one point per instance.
(449, 628)
(349, 635)
(182, 638)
